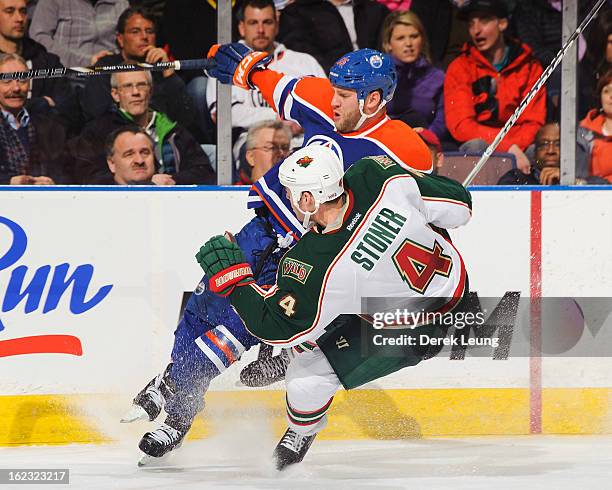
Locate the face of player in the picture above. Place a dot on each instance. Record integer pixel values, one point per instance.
(548, 145)
(13, 93)
(345, 107)
(486, 31)
(132, 161)
(306, 203)
(13, 19)
(138, 36)
(609, 49)
(606, 100)
(259, 28)
(133, 92)
(271, 146)
(405, 44)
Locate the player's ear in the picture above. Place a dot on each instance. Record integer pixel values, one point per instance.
(241, 29)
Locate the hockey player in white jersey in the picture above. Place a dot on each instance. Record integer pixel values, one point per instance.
(373, 233)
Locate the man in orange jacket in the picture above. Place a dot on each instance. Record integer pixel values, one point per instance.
(486, 83)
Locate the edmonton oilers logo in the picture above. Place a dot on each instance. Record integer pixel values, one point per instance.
(328, 142)
(376, 61)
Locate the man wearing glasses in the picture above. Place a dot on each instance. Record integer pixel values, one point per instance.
(546, 164)
(136, 39)
(267, 142)
(180, 157)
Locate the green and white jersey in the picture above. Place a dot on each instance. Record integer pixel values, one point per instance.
(382, 245)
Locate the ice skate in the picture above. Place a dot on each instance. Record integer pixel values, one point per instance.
(291, 449)
(149, 402)
(159, 442)
(265, 371)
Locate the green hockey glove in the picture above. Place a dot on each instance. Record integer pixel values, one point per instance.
(224, 264)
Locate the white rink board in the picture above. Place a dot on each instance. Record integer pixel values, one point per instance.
(143, 244)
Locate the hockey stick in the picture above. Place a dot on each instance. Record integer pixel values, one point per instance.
(532, 93)
(85, 71)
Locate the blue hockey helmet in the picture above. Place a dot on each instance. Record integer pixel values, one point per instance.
(364, 71)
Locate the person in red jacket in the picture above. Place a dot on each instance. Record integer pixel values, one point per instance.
(486, 83)
(595, 133)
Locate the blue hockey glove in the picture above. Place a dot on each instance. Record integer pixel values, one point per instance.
(234, 63)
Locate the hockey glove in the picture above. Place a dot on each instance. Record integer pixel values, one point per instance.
(225, 265)
(234, 63)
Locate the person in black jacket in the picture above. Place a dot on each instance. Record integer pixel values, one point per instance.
(538, 23)
(32, 146)
(46, 93)
(180, 157)
(327, 29)
(136, 38)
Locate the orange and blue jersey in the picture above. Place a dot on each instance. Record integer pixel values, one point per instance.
(307, 101)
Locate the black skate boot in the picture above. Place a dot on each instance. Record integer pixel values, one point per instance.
(265, 371)
(159, 442)
(291, 449)
(152, 398)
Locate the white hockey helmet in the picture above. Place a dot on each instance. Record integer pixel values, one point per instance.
(315, 169)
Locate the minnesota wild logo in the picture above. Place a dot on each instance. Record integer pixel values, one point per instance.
(304, 161)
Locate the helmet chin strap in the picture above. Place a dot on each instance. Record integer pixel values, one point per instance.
(307, 214)
(365, 116)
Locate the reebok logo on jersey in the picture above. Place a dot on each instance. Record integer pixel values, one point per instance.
(384, 161)
(353, 222)
(296, 270)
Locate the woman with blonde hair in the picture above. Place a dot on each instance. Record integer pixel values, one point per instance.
(418, 98)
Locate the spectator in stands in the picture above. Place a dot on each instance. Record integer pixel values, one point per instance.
(446, 30)
(136, 37)
(130, 156)
(258, 28)
(32, 147)
(595, 132)
(538, 23)
(327, 29)
(181, 158)
(545, 167)
(46, 93)
(78, 31)
(189, 27)
(487, 82)
(267, 143)
(420, 86)
(599, 54)
(433, 143)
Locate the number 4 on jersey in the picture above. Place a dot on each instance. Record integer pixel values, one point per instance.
(418, 264)
(287, 303)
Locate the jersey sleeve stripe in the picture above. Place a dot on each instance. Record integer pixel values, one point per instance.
(282, 100)
(448, 201)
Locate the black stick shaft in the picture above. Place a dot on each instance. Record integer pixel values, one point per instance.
(86, 71)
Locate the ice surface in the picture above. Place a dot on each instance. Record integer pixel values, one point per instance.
(555, 462)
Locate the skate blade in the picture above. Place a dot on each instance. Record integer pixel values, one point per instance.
(153, 462)
(135, 413)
